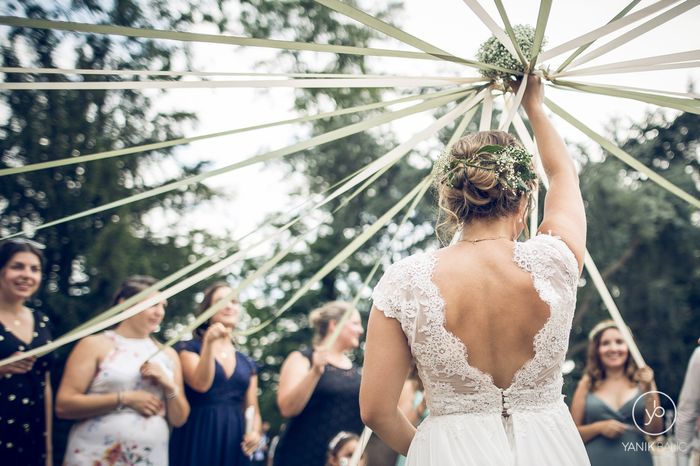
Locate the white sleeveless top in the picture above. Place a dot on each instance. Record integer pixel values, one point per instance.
(124, 436)
(407, 293)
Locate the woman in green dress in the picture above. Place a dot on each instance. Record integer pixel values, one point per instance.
(608, 404)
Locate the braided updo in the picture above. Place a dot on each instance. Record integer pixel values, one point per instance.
(468, 192)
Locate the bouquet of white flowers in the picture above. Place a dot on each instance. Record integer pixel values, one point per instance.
(493, 52)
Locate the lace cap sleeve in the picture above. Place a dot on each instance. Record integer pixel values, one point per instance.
(545, 253)
(562, 255)
(384, 294)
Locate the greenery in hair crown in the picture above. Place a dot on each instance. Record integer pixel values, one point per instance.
(512, 163)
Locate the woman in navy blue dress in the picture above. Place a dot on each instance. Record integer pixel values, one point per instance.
(221, 384)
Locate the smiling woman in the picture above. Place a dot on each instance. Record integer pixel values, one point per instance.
(123, 395)
(222, 385)
(604, 406)
(25, 394)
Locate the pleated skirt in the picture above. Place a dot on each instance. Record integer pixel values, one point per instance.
(545, 437)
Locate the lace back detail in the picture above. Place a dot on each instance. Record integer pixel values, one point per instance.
(407, 293)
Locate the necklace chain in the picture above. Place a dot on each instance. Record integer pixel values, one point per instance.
(474, 241)
(225, 353)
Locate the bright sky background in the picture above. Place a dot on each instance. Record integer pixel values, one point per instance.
(448, 24)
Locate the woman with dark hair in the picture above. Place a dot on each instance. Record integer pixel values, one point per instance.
(25, 389)
(319, 388)
(124, 397)
(221, 385)
(607, 407)
(486, 320)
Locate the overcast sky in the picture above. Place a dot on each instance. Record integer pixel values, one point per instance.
(448, 24)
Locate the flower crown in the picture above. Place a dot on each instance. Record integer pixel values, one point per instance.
(511, 162)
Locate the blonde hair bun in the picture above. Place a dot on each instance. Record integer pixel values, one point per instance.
(320, 317)
(467, 191)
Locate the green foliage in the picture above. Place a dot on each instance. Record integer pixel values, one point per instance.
(307, 21)
(88, 258)
(511, 163)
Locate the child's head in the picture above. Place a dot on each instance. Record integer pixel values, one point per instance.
(341, 448)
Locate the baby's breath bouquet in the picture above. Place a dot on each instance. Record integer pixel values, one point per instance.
(493, 52)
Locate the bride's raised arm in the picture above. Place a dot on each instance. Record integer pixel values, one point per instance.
(564, 213)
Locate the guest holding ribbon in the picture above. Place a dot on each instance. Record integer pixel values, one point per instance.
(25, 389)
(611, 405)
(123, 391)
(319, 388)
(222, 386)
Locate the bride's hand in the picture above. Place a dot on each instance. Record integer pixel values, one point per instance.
(611, 428)
(534, 92)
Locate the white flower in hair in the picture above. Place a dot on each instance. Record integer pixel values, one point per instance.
(493, 52)
(510, 162)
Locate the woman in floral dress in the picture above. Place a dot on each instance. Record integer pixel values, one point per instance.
(123, 399)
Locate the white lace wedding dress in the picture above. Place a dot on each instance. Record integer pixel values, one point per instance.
(472, 421)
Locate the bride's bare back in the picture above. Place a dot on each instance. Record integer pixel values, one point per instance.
(491, 305)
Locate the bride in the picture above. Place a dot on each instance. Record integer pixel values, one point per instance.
(486, 320)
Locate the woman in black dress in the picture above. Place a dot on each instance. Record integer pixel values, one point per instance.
(319, 389)
(25, 391)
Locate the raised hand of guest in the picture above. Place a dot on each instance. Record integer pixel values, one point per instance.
(215, 332)
(319, 360)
